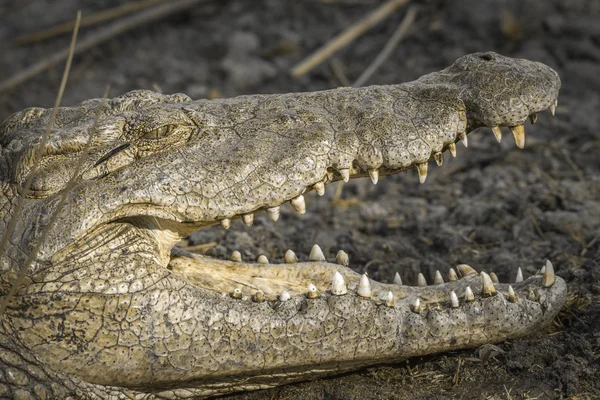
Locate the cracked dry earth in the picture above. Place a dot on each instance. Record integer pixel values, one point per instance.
(495, 208)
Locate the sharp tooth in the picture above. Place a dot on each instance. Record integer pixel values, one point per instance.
(463, 139)
(437, 279)
(533, 118)
(469, 294)
(312, 292)
(549, 277)
(494, 277)
(226, 223)
(262, 259)
(273, 213)
(319, 188)
(542, 271)
(284, 296)
(364, 287)
(439, 158)
(390, 301)
(237, 293)
(519, 277)
(374, 174)
(416, 305)
(497, 133)
(512, 296)
(452, 148)
(519, 134)
(487, 286)
(345, 173)
(422, 170)
(553, 107)
(248, 219)
(397, 279)
(290, 257)
(236, 256)
(452, 275)
(299, 204)
(421, 280)
(465, 270)
(316, 254)
(338, 285)
(259, 296)
(454, 299)
(342, 258)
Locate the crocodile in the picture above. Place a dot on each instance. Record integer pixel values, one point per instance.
(99, 195)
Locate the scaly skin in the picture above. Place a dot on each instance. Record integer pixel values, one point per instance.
(108, 310)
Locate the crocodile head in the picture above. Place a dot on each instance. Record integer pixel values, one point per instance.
(109, 301)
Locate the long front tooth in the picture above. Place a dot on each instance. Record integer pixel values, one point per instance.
(364, 287)
(469, 294)
(497, 133)
(316, 254)
(338, 285)
(454, 299)
(319, 188)
(533, 118)
(345, 173)
(397, 279)
(284, 296)
(553, 107)
(512, 296)
(262, 259)
(248, 219)
(312, 292)
(519, 134)
(421, 280)
(290, 257)
(452, 275)
(549, 277)
(273, 213)
(452, 148)
(236, 256)
(437, 279)
(439, 158)
(390, 301)
(416, 306)
(342, 258)
(519, 277)
(226, 223)
(487, 286)
(466, 270)
(299, 204)
(422, 170)
(374, 175)
(463, 139)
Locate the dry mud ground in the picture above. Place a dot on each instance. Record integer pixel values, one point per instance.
(494, 207)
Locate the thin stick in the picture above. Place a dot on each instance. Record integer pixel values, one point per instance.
(101, 16)
(393, 41)
(95, 39)
(37, 155)
(346, 37)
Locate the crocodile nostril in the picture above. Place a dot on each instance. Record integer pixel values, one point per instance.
(486, 57)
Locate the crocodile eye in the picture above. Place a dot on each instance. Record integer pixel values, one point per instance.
(159, 133)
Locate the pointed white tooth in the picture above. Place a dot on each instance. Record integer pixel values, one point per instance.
(469, 294)
(454, 299)
(533, 118)
(237, 293)
(248, 219)
(452, 148)
(519, 277)
(364, 287)
(226, 223)
(345, 173)
(319, 188)
(497, 133)
(519, 134)
(262, 259)
(553, 107)
(463, 139)
(422, 170)
(397, 279)
(259, 296)
(338, 285)
(421, 280)
(416, 305)
(316, 254)
(390, 301)
(273, 213)
(549, 277)
(439, 158)
(374, 175)
(512, 296)
(312, 292)
(284, 296)
(290, 257)
(299, 204)
(342, 258)
(437, 279)
(452, 275)
(236, 256)
(487, 286)
(542, 271)
(494, 277)
(466, 270)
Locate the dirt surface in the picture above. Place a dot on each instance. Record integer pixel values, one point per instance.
(494, 207)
